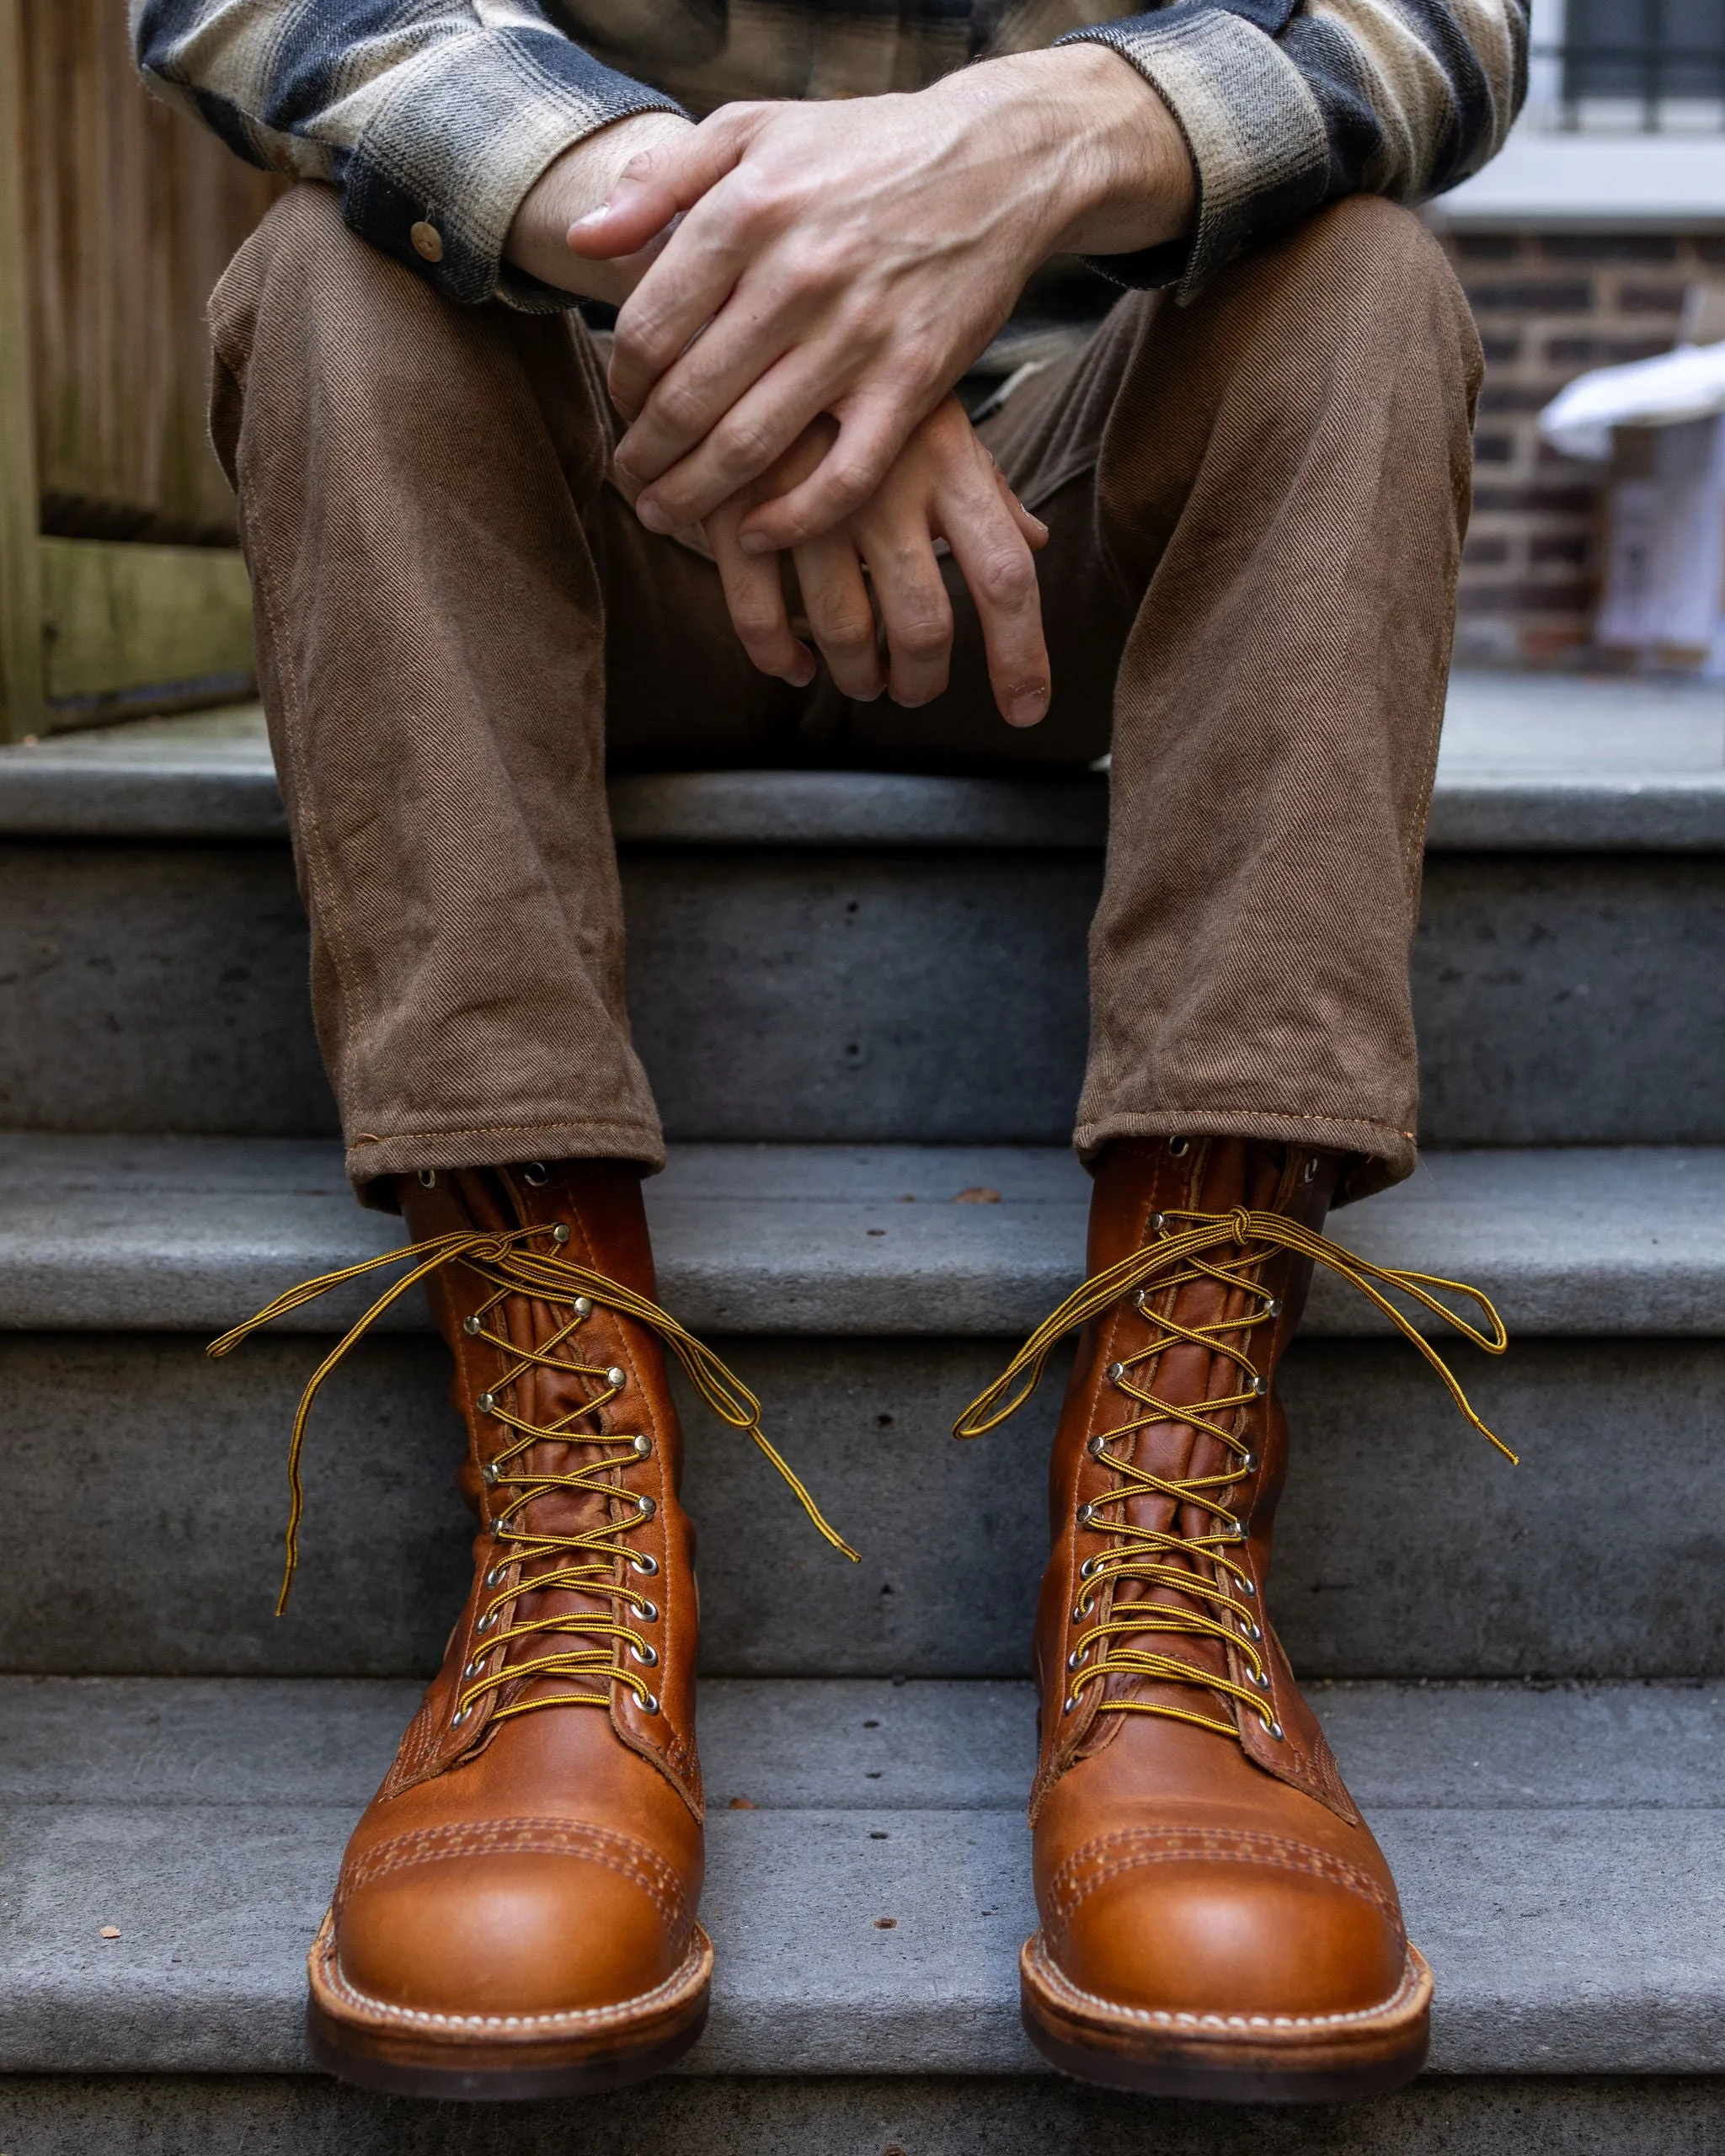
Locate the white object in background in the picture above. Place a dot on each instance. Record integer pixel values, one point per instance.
(1665, 571)
(1686, 384)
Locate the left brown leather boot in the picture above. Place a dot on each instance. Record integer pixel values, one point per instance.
(1217, 1920)
(516, 1914)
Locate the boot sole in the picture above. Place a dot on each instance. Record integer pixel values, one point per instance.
(396, 2053)
(1227, 2059)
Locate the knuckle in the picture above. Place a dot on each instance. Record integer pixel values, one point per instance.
(1007, 576)
(846, 630)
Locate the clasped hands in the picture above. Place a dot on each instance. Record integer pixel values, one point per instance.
(800, 287)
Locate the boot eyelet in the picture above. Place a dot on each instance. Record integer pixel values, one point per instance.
(460, 1715)
(1251, 1631)
(495, 1578)
(584, 1306)
(1248, 1465)
(649, 1704)
(476, 1668)
(484, 1624)
(559, 1235)
(646, 1566)
(428, 1178)
(1177, 1147)
(1247, 1589)
(647, 1657)
(1158, 1226)
(488, 1473)
(1260, 1386)
(616, 1377)
(1116, 1371)
(1309, 1173)
(1082, 1610)
(1087, 1569)
(470, 1325)
(646, 1506)
(643, 1447)
(1260, 1677)
(1275, 1729)
(1236, 1533)
(1086, 1515)
(1097, 1446)
(647, 1611)
(1077, 1657)
(1071, 1701)
(537, 1173)
(1273, 1307)
(487, 1403)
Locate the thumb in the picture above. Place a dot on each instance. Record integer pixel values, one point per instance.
(656, 185)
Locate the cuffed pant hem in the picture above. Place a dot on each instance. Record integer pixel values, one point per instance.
(1379, 1155)
(371, 1158)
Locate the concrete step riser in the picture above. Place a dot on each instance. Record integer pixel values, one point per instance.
(857, 995)
(141, 1502)
(213, 2114)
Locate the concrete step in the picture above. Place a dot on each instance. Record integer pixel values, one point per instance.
(866, 944)
(866, 1307)
(1560, 1854)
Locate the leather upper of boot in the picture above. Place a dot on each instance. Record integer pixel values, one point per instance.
(1196, 1851)
(524, 1859)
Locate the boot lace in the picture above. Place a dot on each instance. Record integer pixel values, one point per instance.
(597, 1560)
(1202, 1565)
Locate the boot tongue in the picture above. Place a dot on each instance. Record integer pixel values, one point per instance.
(1224, 1173)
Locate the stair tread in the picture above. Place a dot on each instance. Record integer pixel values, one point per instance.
(183, 1233)
(210, 1816)
(1526, 765)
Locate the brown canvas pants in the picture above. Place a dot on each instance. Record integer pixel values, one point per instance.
(1256, 504)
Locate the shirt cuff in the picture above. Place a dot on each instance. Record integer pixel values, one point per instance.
(1257, 136)
(444, 164)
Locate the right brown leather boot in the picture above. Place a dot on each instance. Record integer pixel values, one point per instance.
(516, 1914)
(1217, 1919)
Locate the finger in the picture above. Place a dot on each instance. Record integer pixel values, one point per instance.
(705, 381)
(743, 445)
(841, 617)
(915, 611)
(871, 434)
(1032, 529)
(754, 593)
(659, 183)
(1000, 570)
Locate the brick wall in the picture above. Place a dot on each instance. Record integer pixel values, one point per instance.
(1550, 306)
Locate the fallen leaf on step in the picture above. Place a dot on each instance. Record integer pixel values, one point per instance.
(982, 1195)
(110, 1931)
(743, 1804)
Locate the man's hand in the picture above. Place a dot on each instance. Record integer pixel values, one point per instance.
(573, 187)
(942, 484)
(851, 260)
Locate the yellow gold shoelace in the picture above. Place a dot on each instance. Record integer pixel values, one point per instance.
(506, 1261)
(1225, 1248)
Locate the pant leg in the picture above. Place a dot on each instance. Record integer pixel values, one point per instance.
(432, 551)
(1257, 504)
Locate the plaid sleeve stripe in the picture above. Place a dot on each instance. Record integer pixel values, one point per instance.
(414, 108)
(1403, 98)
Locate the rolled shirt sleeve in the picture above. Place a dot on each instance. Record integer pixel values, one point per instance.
(432, 118)
(1285, 108)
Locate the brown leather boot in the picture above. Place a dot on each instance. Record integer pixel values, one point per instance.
(515, 1912)
(1217, 1920)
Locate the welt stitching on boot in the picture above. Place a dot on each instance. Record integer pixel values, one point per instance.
(1217, 1919)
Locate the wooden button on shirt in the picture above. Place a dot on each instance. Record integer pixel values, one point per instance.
(427, 241)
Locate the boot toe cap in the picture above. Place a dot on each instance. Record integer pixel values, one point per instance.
(1197, 1937)
(512, 1935)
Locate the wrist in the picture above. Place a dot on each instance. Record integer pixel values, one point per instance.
(1119, 175)
(571, 186)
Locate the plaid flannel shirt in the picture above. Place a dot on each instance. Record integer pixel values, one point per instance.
(448, 110)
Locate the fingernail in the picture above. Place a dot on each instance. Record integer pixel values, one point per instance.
(594, 216)
(751, 542)
(1026, 707)
(653, 516)
(799, 677)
